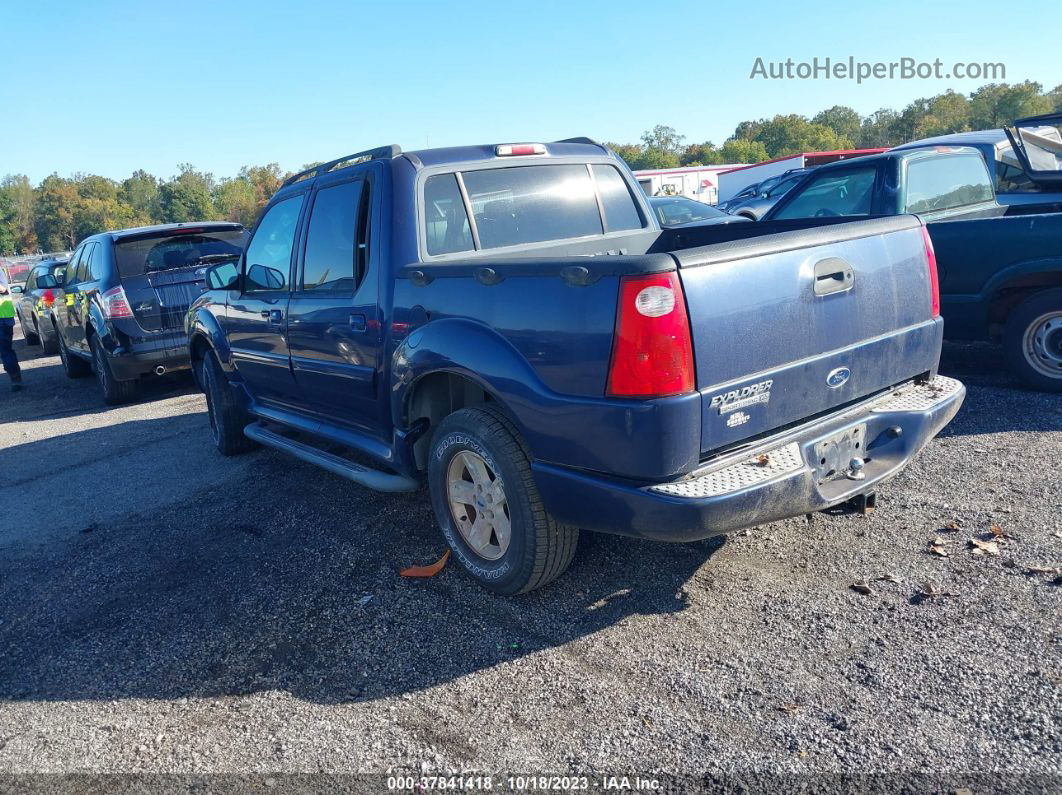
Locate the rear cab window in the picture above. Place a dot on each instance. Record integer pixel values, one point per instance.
(832, 194)
(946, 181)
(525, 204)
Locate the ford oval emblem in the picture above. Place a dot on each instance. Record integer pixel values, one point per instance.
(838, 377)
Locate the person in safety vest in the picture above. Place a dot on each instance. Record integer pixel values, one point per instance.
(7, 333)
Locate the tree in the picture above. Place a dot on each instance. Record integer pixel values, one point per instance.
(842, 119)
(628, 153)
(141, 193)
(236, 200)
(701, 155)
(187, 197)
(878, 129)
(742, 151)
(663, 138)
(56, 225)
(791, 134)
(997, 104)
(7, 224)
(20, 193)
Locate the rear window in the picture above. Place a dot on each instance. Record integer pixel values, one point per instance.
(519, 205)
(940, 183)
(169, 252)
(832, 194)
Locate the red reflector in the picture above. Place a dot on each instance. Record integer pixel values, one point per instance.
(48, 297)
(934, 281)
(652, 354)
(115, 303)
(504, 150)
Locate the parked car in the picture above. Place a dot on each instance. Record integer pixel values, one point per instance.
(120, 309)
(1000, 267)
(678, 211)
(511, 322)
(1012, 184)
(36, 301)
(767, 194)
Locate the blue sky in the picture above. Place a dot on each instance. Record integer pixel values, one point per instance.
(109, 87)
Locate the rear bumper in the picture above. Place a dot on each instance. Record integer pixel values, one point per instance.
(744, 490)
(146, 355)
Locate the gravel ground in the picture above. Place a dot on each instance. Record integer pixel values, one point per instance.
(166, 610)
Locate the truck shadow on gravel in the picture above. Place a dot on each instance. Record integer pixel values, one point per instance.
(286, 578)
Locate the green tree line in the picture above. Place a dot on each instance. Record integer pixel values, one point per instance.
(60, 211)
(841, 127)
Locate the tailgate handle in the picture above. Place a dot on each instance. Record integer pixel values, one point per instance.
(833, 275)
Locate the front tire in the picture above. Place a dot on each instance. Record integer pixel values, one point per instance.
(1032, 338)
(488, 506)
(227, 419)
(74, 366)
(115, 392)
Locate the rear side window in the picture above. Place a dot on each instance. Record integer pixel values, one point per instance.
(82, 273)
(170, 252)
(621, 212)
(946, 181)
(330, 260)
(269, 252)
(832, 194)
(448, 230)
(94, 268)
(532, 204)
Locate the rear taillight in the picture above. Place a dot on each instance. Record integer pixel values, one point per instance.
(652, 355)
(934, 281)
(509, 150)
(48, 298)
(115, 303)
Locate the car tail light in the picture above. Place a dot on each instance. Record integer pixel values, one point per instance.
(934, 280)
(506, 150)
(115, 303)
(652, 354)
(48, 297)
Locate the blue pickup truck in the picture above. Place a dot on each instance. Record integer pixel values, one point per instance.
(1000, 267)
(510, 323)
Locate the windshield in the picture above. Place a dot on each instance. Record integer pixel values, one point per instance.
(684, 211)
(169, 252)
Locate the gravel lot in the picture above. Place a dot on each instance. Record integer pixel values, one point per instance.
(166, 610)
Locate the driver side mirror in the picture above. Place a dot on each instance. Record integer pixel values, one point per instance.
(15, 288)
(223, 276)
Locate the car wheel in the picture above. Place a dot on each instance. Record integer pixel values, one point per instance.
(50, 346)
(488, 506)
(227, 419)
(32, 337)
(73, 366)
(114, 391)
(1032, 338)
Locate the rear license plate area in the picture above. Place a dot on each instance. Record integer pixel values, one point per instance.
(834, 453)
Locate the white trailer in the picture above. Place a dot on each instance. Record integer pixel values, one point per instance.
(694, 182)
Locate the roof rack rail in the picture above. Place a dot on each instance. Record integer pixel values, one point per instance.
(379, 153)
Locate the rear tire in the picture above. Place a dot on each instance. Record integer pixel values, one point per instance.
(51, 346)
(477, 464)
(74, 366)
(1032, 339)
(115, 392)
(227, 419)
(31, 337)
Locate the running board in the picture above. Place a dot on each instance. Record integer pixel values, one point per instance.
(370, 478)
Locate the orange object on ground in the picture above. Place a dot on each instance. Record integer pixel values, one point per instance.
(427, 571)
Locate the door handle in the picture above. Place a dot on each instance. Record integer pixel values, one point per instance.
(273, 316)
(357, 323)
(833, 275)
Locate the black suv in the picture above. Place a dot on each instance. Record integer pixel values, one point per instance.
(120, 310)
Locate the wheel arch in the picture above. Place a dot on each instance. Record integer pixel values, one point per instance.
(1016, 285)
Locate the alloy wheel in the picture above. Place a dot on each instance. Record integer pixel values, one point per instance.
(478, 505)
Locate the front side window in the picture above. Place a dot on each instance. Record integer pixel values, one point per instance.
(532, 204)
(330, 259)
(832, 194)
(947, 181)
(269, 252)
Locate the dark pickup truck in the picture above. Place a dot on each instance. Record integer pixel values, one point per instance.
(511, 322)
(1000, 266)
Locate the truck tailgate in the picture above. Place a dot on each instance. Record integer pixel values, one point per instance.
(788, 326)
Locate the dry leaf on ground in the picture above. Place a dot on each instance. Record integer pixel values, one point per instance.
(930, 590)
(427, 571)
(984, 547)
(890, 577)
(861, 587)
(936, 546)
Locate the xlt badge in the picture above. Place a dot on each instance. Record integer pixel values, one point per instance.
(744, 397)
